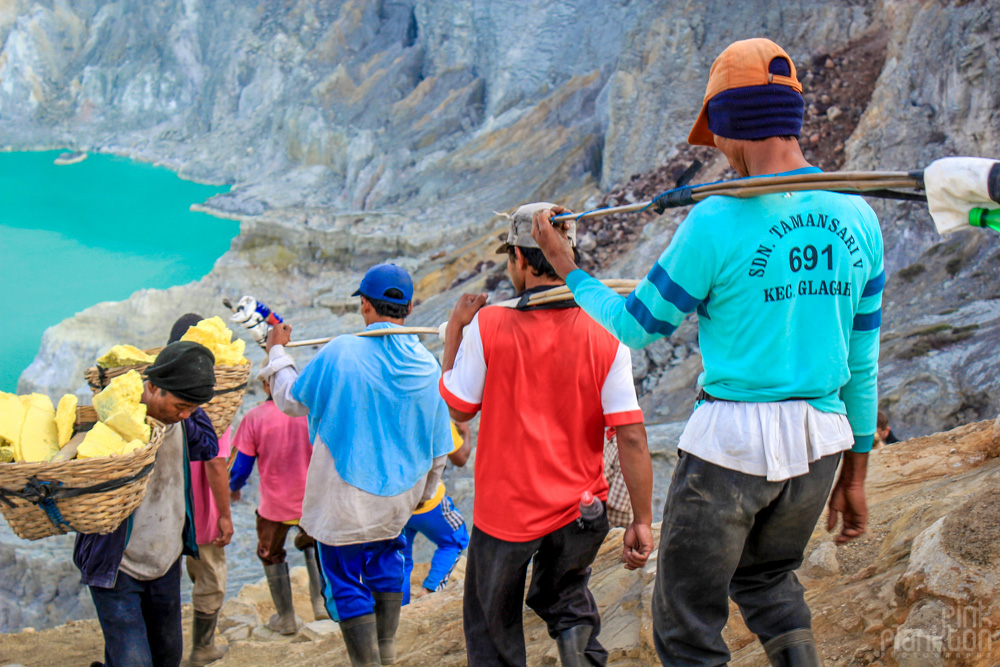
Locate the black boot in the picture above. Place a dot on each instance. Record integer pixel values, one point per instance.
(204, 650)
(361, 639)
(315, 584)
(793, 649)
(572, 643)
(387, 606)
(281, 594)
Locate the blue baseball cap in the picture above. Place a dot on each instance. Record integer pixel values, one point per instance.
(383, 277)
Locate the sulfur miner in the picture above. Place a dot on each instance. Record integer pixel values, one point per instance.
(134, 572)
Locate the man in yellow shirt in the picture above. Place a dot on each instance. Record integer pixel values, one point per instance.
(440, 522)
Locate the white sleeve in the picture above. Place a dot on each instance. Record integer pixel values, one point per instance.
(462, 387)
(281, 374)
(618, 397)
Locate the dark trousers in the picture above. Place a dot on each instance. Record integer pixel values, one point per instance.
(494, 588)
(141, 620)
(271, 536)
(727, 534)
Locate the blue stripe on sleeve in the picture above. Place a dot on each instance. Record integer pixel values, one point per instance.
(874, 285)
(638, 310)
(671, 291)
(868, 321)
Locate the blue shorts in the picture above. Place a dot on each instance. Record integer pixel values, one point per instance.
(353, 572)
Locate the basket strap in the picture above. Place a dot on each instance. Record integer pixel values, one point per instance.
(45, 493)
(232, 389)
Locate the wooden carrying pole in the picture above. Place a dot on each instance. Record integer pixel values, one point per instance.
(554, 295)
(877, 183)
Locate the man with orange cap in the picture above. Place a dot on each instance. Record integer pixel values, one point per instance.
(788, 291)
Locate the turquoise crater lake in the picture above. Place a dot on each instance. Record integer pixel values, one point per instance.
(72, 236)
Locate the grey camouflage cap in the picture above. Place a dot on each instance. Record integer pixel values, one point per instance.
(519, 229)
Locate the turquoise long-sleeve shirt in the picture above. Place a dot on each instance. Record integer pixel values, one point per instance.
(788, 289)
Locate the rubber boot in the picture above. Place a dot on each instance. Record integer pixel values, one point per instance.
(793, 649)
(315, 584)
(204, 649)
(387, 606)
(281, 594)
(572, 643)
(361, 639)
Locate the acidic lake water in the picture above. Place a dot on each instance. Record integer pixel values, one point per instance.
(72, 236)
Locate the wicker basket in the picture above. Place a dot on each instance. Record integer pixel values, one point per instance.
(59, 496)
(230, 384)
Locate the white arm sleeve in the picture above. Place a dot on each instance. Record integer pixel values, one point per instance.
(281, 374)
(467, 378)
(618, 391)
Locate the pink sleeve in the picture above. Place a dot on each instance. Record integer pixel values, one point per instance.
(226, 443)
(245, 441)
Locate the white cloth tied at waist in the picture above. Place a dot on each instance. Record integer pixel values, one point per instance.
(776, 440)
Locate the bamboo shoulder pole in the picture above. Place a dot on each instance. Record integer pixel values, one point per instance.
(835, 186)
(374, 333)
(554, 295)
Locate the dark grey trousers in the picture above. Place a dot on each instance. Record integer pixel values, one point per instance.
(494, 589)
(728, 534)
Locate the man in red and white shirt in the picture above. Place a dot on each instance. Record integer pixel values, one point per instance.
(548, 381)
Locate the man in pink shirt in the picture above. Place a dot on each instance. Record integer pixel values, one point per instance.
(208, 572)
(280, 444)
(213, 527)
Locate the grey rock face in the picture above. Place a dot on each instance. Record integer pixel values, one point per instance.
(38, 590)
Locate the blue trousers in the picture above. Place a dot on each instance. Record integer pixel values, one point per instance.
(141, 620)
(439, 526)
(353, 572)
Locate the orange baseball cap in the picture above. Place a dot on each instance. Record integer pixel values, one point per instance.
(742, 64)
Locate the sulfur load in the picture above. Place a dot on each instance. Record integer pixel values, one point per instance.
(31, 430)
(11, 417)
(216, 336)
(119, 407)
(102, 440)
(39, 437)
(124, 355)
(65, 418)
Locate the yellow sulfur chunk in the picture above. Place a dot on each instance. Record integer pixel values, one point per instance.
(213, 327)
(124, 355)
(124, 390)
(202, 336)
(216, 336)
(6, 454)
(65, 418)
(100, 441)
(231, 354)
(129, 421)
(39, 438)
(11, 418)
(132, 446)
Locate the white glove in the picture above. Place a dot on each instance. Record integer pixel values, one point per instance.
(247, 316)
(955, 186)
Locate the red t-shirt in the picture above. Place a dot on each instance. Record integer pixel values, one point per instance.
(548, 382)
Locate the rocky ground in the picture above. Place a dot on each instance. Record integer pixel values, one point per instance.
(920, 588)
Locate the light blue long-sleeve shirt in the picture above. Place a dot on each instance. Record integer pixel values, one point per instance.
(788, 288)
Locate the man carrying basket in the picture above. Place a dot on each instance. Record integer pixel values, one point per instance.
(134, 573)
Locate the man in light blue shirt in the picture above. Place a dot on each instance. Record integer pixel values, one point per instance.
(381, 434)
(788, 290)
